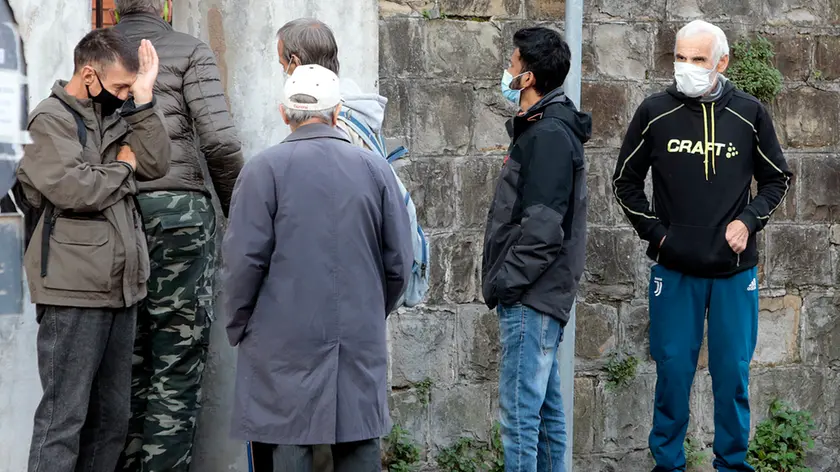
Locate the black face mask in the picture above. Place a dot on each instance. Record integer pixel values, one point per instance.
(108, 102)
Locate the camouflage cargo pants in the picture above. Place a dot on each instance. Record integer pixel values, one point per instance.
(172, 332)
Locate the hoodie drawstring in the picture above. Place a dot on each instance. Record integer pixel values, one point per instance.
(709, 144)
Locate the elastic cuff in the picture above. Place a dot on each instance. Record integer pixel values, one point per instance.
(132, 108)
(657, 233)
(750, 220)
(128, 166)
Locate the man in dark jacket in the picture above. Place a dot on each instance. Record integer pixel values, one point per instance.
(534, 247)
(317, 253)
(173, 326)
(86, 262)
(705, 141)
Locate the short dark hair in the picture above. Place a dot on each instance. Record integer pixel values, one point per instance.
(543, 53)
(103, 47)
(311, 41)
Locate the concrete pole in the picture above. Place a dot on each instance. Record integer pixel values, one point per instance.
(574, 34)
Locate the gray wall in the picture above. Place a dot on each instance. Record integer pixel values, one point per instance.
(50, 29)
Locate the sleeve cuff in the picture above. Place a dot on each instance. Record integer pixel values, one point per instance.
(749, 219)
(127, 166)
(130, 108)
(657, 233)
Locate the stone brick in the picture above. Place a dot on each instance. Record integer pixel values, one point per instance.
(456, 267)
(463, 49)
(608, 105)
(821, 330)
(477, 339)
(397, 123)
(810, 389)
(388, 8)
(441, 117)
(476, 184)
(603, 208)
(663, 53)
(439, 245)
(610, 10)
(787, 210)
(778, 330)
(633, 330)
(480, 8)
(796, 11)
(454, 49)
(461, 410)
(430, 182)
(623, 51)
(826, 59)
(797, 256)
(545, 9)
(807, 118)
(793, 54)
(820, 196)
(409, 412)
(611, 258)
(715, 10)
(423, 346)
(615, 462)
(401, 47)
(491, 112)
(596, 332)
(628, 414)
(586, 413)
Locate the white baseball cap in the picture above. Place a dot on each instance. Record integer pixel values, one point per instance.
(315, 81)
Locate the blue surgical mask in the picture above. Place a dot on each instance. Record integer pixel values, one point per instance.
(510, 94)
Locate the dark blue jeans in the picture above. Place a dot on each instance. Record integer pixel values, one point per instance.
(678, 308)
(533, 422)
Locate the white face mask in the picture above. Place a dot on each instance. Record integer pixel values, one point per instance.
(693, 81)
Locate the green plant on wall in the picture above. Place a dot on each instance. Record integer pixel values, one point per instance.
(470, 455)
(751, 69)
(620, 371)
(424, 390)
(400, 454)
(694, 455)
(782, 440)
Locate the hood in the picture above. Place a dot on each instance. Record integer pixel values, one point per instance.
(557, 105)
(368, 107)
(694, 102)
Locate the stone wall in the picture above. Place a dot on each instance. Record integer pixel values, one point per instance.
(440, 64)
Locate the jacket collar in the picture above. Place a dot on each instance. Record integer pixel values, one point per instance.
(145, 22)
(84, 107)
(315, 131)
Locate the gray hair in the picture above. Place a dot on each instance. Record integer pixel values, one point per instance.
(296, 117)
(311, 41)
(125, 7)
(699, 27)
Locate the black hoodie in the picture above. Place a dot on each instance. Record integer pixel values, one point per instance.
(704, 157)
(535, 242)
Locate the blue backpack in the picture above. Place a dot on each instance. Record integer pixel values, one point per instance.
(418, 284)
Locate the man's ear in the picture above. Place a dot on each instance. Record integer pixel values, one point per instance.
(335, 115)
(283, 114)
(723, 64)
(88, 76)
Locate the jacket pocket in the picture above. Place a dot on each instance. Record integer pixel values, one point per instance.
(694, 249)
(184, 235)
(496, 250)
(81, 256)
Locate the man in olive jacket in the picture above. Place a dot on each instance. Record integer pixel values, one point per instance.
(173, 329)
(87, 261)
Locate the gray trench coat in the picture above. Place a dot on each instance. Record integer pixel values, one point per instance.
(317, 253)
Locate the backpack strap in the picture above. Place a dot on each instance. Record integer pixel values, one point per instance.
(397, 154)
(49, 209)
(371, 140)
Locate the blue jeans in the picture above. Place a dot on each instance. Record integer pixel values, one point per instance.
(679, 305)
(533, 422)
